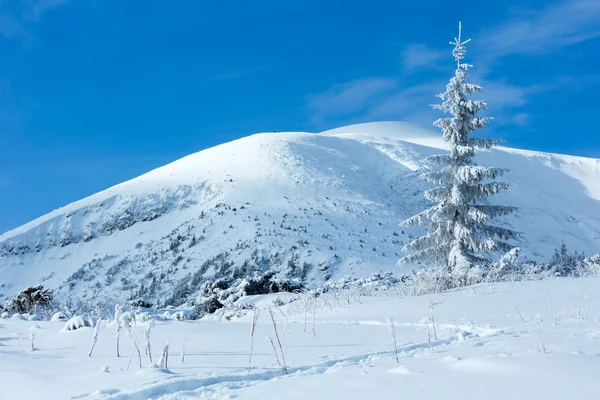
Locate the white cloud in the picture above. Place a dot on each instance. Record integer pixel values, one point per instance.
(351, 97)
(551, 28)
(383, 99)
(419, 56)
(521, 119)
(542, 31)
(411, 104)
(39, 7)
(499, 94)
(17, 15)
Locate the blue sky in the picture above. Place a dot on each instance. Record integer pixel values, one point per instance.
(94, 92)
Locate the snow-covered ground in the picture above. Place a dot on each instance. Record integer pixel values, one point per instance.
(525, 340)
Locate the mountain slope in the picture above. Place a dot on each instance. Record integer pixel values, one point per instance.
(306, 205)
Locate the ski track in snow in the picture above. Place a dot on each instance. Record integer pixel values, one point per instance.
(518, 340)
(182, 388)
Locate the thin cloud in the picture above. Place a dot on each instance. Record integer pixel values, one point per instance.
(17, 15)
(349, 97)
(385, 98)
(41, 6)
(551, 28)
(412, 103)
(420, 56)
(546, 30)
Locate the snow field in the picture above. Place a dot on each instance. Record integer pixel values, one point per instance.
(521, 340)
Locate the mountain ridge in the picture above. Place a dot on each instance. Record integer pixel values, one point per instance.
(317, 205)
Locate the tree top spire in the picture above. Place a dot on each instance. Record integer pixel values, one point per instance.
(459, 47)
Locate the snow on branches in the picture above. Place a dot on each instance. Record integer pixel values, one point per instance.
(459, 236)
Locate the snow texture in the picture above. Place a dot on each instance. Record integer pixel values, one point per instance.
(307, 206)
(522, 340)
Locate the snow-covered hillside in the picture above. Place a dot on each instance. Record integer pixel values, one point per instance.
(310, 206)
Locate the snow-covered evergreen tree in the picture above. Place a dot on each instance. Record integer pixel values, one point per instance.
(459, 236)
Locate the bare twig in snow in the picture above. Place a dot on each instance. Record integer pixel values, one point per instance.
(537, 320)
(164, 359)
(118, 326)
(519, 312)
(428, 334)
(95, 337)
(136, 348)
(392, 329)
(314, 317)
(551, 309)
(432, 305)
(578, 309)
(252, 329)
(147, 332)
(278, 340)
(275, 351)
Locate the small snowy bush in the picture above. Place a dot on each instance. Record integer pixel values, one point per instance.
(141, 316)
(179, 316)
(127, 319)
(377, 282)
(30, 299)
(592, 265)
(59, 316)
(77, 322)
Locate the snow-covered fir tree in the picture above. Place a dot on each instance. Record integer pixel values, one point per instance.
(459, 236)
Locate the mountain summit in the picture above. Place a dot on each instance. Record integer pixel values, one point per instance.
(303, 205)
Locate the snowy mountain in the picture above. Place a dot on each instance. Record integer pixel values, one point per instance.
(308, 206)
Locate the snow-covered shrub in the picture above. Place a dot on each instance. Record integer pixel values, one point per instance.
(59, 316)
(224, 292)
(127, 320)
(77, 322)
(33, 317)
(5, 314)
(425, 281)
(214, 295)
(30, 299)
(139, 304)
(377, 282)
(564, 263)
(507, 265)
(17, 316)
(592, 265)
(179, 316)
(142, 316)
(270, 283)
